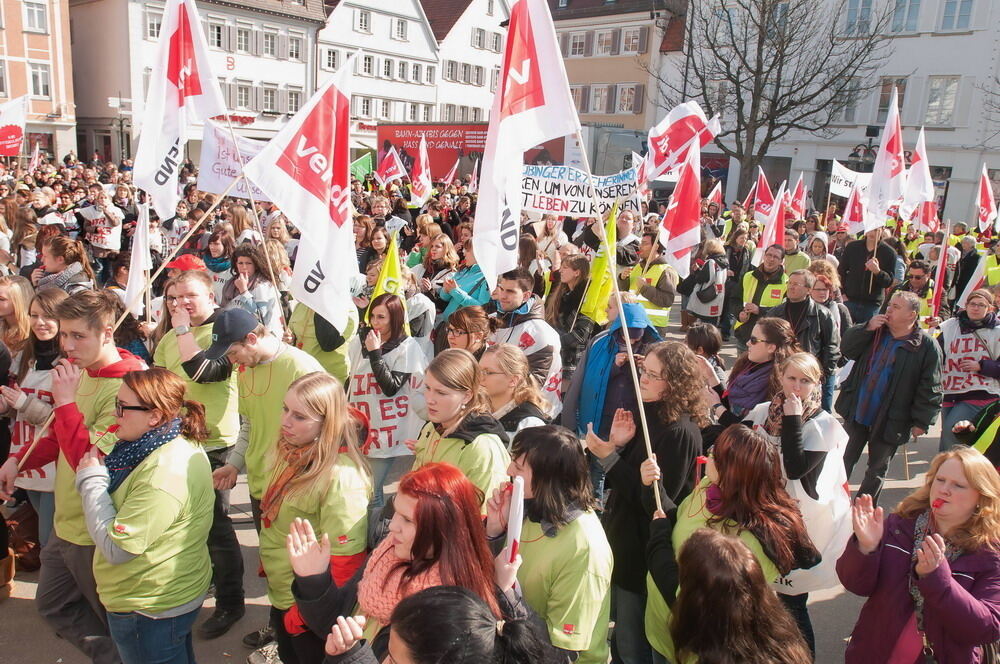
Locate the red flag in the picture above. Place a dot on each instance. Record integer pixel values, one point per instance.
(13, 116)
(715, 196)
(748, 201)
(452, 174)
(680, 229)
(532, 104)
(641, 174)
(763, 202)
(987, 203)
(474, 182)
(391, 168)
(889, 173)
(798, 202)
(420, 176)
(854, 212)
(768, 213)
(670, 139)
(941, 274)
(182, 91)
(305, 170)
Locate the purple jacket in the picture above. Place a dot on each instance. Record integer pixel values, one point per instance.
(961, 599)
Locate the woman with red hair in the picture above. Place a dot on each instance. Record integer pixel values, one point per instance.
(436, 538)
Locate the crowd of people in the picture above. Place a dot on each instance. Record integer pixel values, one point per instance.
(690, 505)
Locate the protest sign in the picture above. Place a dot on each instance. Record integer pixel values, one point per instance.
(842, 180)
(565, 190)
(220, 163)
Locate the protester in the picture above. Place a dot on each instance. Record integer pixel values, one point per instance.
(467, 287)
(812, 324)
(65, 265)
(866, 269)
(309, 331)
(468, 328)
(739, 253)
(708, 284)
(516, 400)
(562, 312)
(763, 288)
(251, 288)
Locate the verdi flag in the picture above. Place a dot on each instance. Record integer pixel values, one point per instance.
(362, 166)
(602, 271)
(390, 279)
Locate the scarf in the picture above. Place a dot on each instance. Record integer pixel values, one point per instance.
(127, 455)
(967, 325)
(220, 264)
(749, 387)
(229, 289)
(920, 531)
(776, 411)
(60, 279)
(296, 459)
(382, 586)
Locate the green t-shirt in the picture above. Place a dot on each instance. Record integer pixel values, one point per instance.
(566, 579)
(484, 460)
(692, 515)
(798, 261)
(302, 323)
(262, 391)
(95, 397)
(219, 398)
(339, 509)
(165, 509)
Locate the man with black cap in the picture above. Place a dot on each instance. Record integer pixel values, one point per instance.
(267, 366)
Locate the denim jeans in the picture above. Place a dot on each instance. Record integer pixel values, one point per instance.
(861, 311)
(44, 503)
(952, 415)
(144, 640)
(224, 547)
(629, 645)
(829, 387)
(382, 470)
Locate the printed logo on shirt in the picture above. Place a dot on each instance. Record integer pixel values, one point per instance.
(343, 539)
(775, 293)
(526, 340)
(120, 529)
(569, 630)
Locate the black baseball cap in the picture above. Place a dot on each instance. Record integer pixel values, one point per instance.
(231, 326)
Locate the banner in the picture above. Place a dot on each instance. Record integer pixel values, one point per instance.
(565, 190)
(220, 163)
(13, 115)
(843, 179)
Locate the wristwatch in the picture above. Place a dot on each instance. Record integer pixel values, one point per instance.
(182, 329)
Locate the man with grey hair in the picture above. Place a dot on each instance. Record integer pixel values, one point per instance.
(893, 390)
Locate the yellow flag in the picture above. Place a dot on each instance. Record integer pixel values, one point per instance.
(602, 271)
(390, 279)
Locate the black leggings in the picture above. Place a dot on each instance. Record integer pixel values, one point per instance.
(305, 648)
(796, 605)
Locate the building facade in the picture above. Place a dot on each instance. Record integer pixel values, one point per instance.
(35, 60)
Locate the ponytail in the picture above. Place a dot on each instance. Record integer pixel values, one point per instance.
(193, 426)
(72, 251)
(518, 641)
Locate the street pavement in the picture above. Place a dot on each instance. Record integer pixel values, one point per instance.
(26, 639)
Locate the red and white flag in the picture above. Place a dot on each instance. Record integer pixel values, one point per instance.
(680, 228)
(532, 105)
(305, 170)
(140, 264)
(36, 158)
(762, 202)
(474, 182)
(798, 202)
(641, 175)
(13, 116)
(670, 140)
(889, 173)
(987, 204)
(855, 213)
(919, 186)
(977, 280)
(764, 207)
(390, 168)
(420, 176)
(715, 196)
(452, 174)
(748, 201)
(182, 91)
(940, 276)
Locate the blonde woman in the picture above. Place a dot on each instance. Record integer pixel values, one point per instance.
(930, 570)
(243, 226)
(15, 321)
(320, 475)
(515, 397)
(438, 266)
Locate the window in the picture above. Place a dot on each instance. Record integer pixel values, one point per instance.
(412, 116)
(489, 7)
(451, 70)
(294, 101)
(605, 39)
(39, 80)
(365, 107)
(430, 76)
(449, 113)
(387, 68)
(577, 44)
(479, 76)
(3, 79)
(599, 99)
(243, 36)
(576, 92)
(243, 96)
(153, 24)
(216, 35)
(494, 79)
(428, 113)
(956, 14)
(779, 18)
(270, 99)
(386, 109)
(417, 72)
(269, 44)
(885, 96)
(364, 21)
(941, 100)
(402, 71)
(717, 95)
(479, 38)
(626, 98)
(630, 40)
(368, 65)
(851, 93)
(294, 48)
(331, 59)
(477, 115)
(401, 29)
(35, 19)
(904, 15)
(463, 114)
(859, 14)
(466, 73)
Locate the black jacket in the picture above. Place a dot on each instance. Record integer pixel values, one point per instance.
(816, 331)
(860, 284)
(913, 397)
(574, 329)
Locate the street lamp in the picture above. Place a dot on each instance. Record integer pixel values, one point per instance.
(862, 157)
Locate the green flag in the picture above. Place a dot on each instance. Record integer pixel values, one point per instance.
(362, 166)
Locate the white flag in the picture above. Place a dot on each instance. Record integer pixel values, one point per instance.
(305, 170)
(391, 168)
(420, 176)
(140, 263)
(670, 139)
(182, 91)
(889, 173)
(452, 174)
(532, 105)
(474, 182)
(919, 186)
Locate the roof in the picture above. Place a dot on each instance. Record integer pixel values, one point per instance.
(591, 8)
(673, 35)
(306, 10)
(443, 14)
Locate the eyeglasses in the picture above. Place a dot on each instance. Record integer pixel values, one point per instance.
(173, 299)
(753, 341)
(120, 408)
(455, 332)
(652, 376)
(916, 276)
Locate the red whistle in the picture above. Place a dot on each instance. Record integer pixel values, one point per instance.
(937, 503)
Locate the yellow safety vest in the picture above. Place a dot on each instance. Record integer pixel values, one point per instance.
(993, 276)
(992, 260)
(658, 316)
(771, 296)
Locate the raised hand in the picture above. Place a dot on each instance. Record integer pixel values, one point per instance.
(373, 341)
(622, 428)
(506, 571)
(344, 634)
(598, 447)
(868, 523)
(792, 405)
(930, 554)
(308, 555)
(65, 379)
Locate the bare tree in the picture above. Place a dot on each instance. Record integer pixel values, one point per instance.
(774, 66)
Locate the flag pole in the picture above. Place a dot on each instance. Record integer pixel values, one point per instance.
(633, 369)
(184, 240)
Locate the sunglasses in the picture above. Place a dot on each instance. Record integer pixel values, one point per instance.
(120, 408)
(753, 341)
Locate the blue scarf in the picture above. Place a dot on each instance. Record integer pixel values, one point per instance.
(220, 264)
(127, 455)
